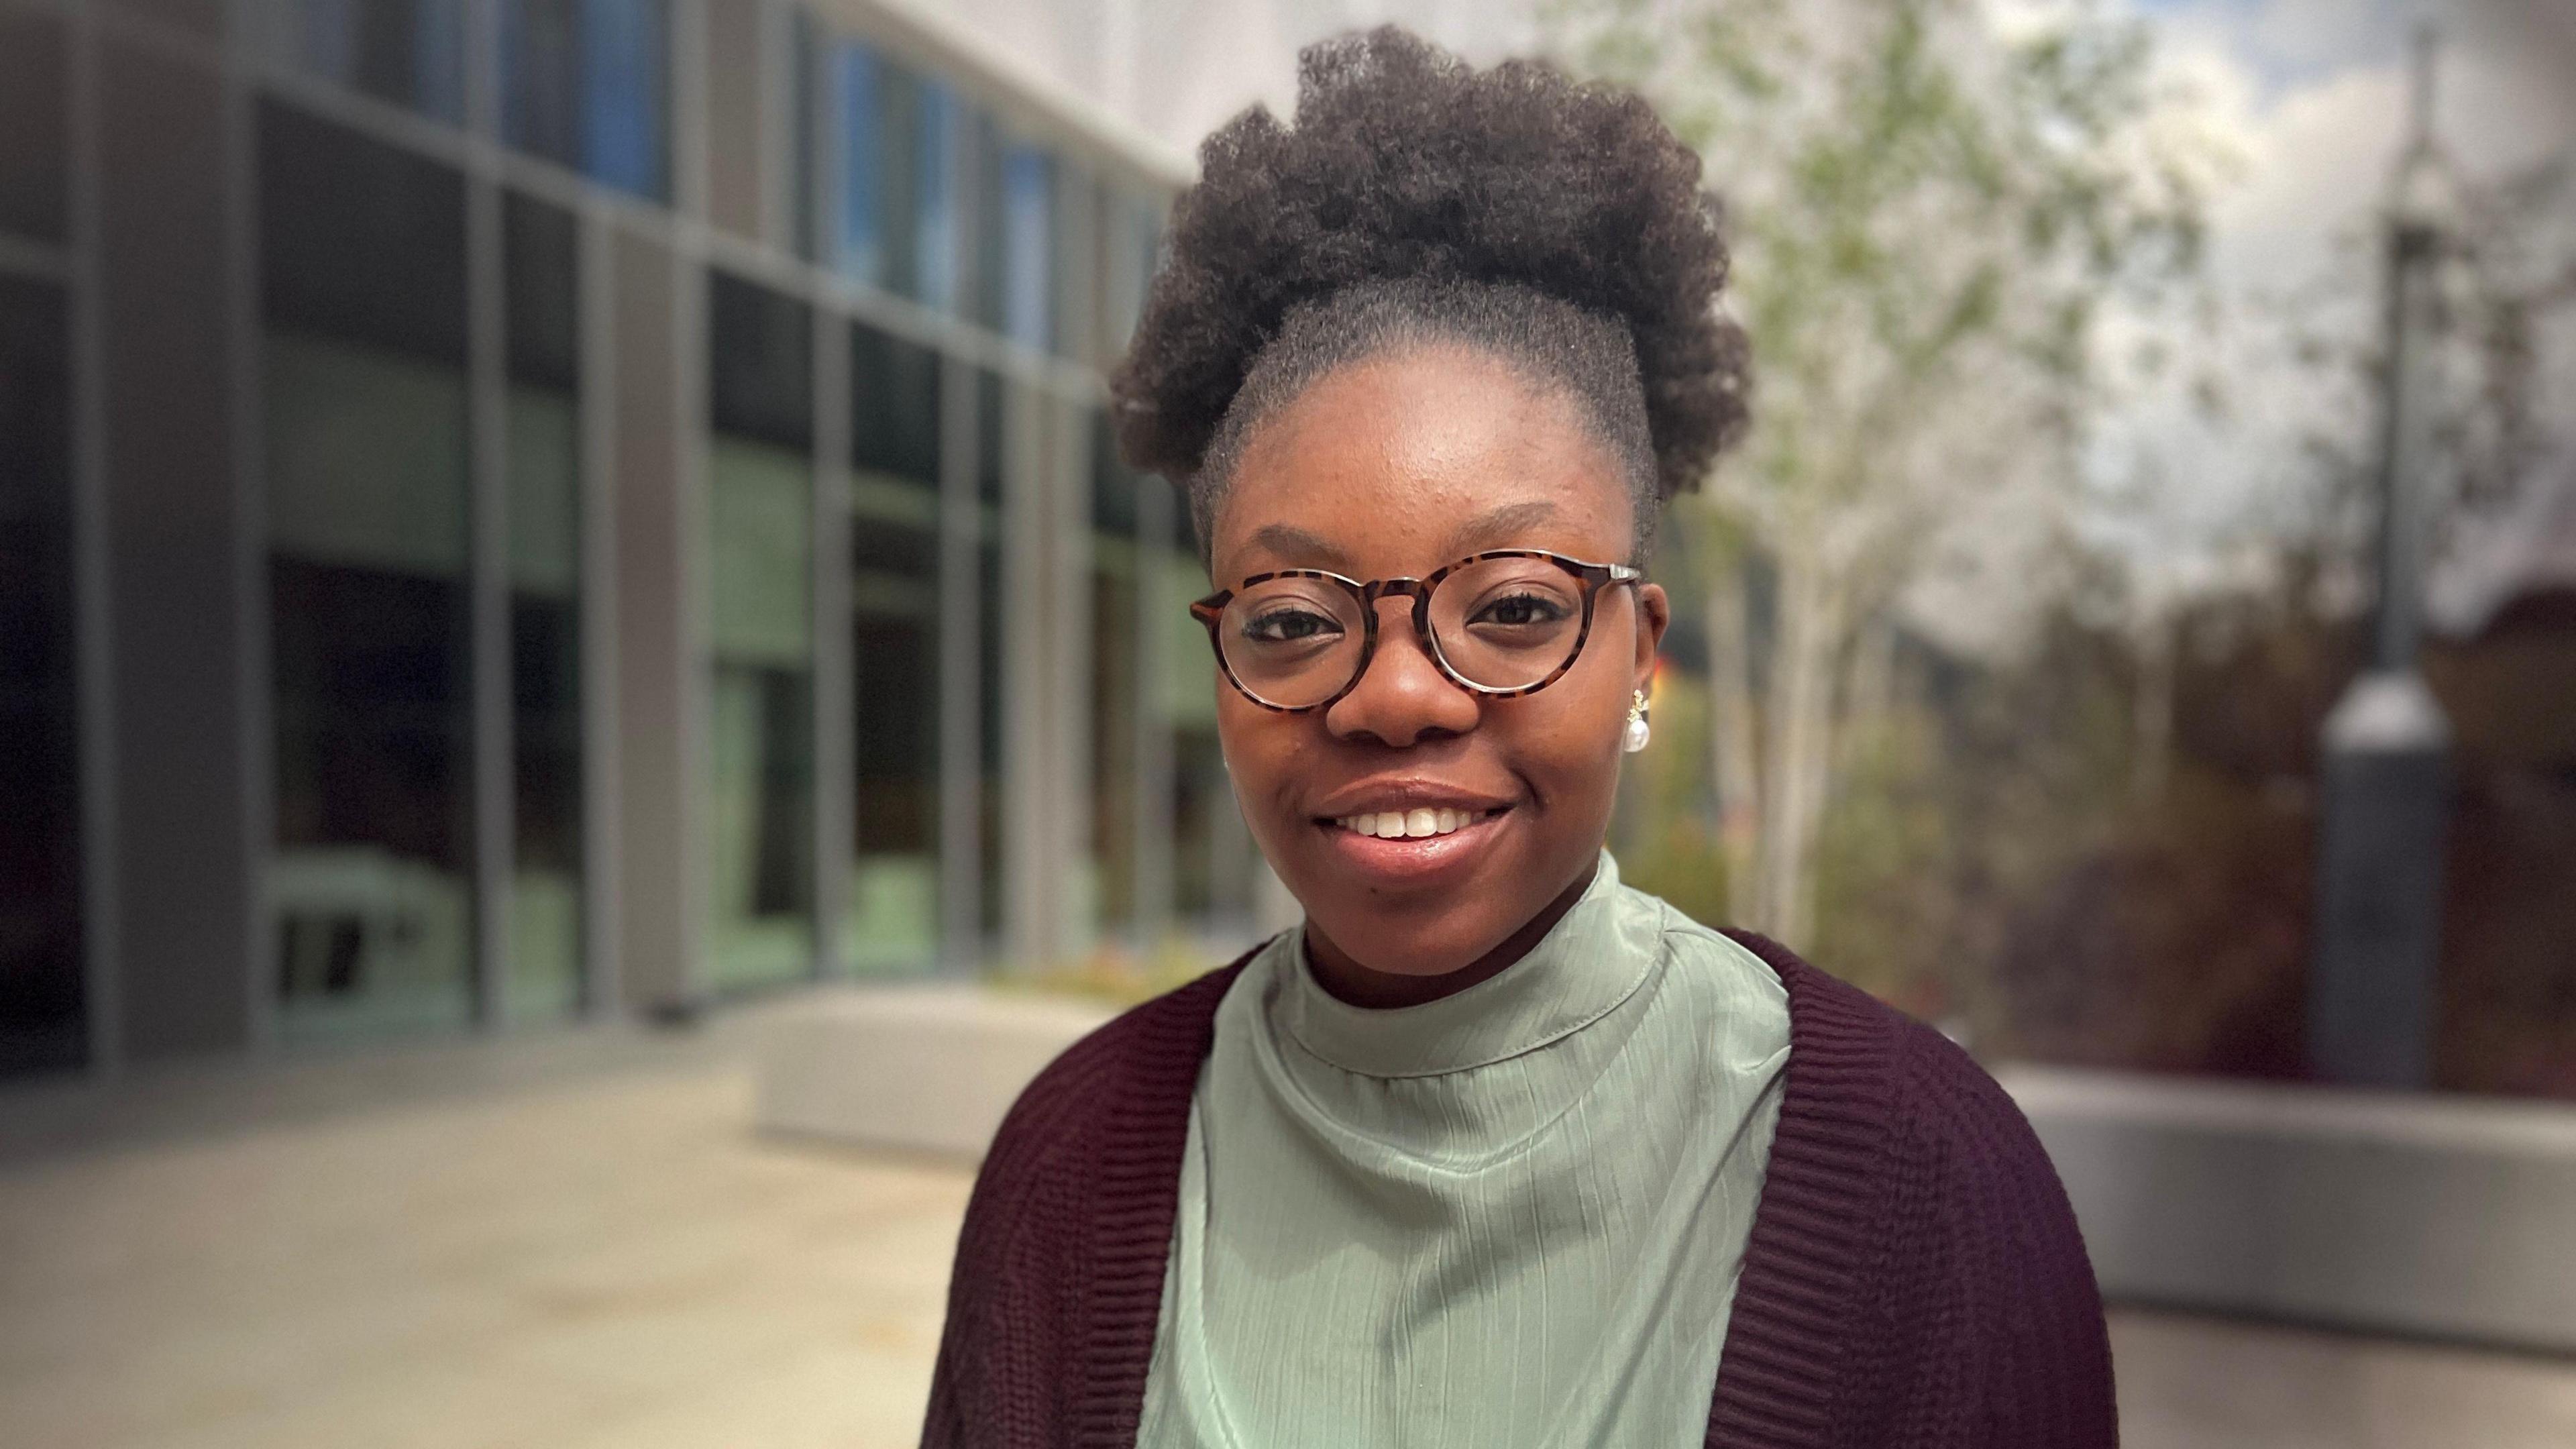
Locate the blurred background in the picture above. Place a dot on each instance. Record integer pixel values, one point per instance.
(582, 692)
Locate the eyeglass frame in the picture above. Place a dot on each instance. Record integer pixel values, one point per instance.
(1594, 576)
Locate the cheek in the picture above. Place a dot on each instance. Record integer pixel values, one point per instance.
(1566, 738)
(1571, 743)
(1263, 751)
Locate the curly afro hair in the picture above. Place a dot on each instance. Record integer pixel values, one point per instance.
(1560, 224)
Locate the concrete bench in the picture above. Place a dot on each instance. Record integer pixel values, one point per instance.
(2417, 1215)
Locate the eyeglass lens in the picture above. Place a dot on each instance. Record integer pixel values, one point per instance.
(1502, 623)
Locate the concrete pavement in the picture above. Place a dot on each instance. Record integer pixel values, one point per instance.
(576, 1241)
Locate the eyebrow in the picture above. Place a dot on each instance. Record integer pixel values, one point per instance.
(1501, 527)
(1300, 546)
(1498, 528)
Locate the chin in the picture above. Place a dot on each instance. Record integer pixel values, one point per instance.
(1408, 944)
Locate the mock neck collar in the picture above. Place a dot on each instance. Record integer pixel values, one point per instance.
(1576, 974)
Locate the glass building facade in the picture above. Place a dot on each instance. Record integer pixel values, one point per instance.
(512, 509)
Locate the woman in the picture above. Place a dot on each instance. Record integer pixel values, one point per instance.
(1491, 1150)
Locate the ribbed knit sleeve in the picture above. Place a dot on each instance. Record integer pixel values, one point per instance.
(1059, 1269)
(1915, 1278)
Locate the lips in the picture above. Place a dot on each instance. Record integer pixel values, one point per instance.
(1412, 833)
(1401, 796)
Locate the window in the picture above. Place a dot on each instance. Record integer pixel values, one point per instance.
(363, 280)
(811, 61)
(942, 121)
(586, 84)
(544, 978)
(872, 104)
(983, 215)
(893, 900)
(407, 52)
(32, 136)
(1108, 889)
(42, 1023)
(1130, 231)
(1212, 853)
(760, 827)
(1028, 247)
(903, 146)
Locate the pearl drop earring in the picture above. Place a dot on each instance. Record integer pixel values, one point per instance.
(1638, 730)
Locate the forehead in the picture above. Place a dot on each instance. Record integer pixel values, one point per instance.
(1403, 461)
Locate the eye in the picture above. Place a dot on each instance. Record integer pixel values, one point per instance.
(1286, 625)
(1520, 610)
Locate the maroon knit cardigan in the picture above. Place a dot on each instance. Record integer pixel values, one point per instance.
(1914, 1278)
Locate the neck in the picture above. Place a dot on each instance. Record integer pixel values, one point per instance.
(1348, 981)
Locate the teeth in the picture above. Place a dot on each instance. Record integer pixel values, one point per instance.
(1409, 824)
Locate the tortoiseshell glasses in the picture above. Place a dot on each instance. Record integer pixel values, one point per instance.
(1502, 623)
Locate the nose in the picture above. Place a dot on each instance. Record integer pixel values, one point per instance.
(1401, 698)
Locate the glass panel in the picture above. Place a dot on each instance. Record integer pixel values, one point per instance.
(884, 141)
(408, 52)
(894, 387)
(761, 788)
(809, 59)
(541, 78)
(984, 216)
(32, 137)
(1130, 228)
(1028, 253)
(941, 119)
(893, 900)
(860, 90)
(544, 485)
(586, 83)
(42, 1025)
(991, 456)
(363, 269)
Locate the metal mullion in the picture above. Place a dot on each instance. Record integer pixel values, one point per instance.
(960, 685)
(255, 682)
(835, 706)
(494, 769)
(690, 155)
(690, 251)
(601, 752)
(776, 126)
(1030, 868)
(1069, 497)
(93, 619)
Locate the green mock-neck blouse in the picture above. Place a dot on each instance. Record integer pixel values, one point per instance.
(1511, 1218)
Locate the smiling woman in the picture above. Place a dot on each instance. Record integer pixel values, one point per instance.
(1489, 1149)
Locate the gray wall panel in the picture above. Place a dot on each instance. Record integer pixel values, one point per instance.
(175, 547)
(734, 36)
(656, 655)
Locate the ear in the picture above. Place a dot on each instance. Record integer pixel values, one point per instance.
(1654, 615)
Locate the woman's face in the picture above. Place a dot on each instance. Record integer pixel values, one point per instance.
(1392, 467)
